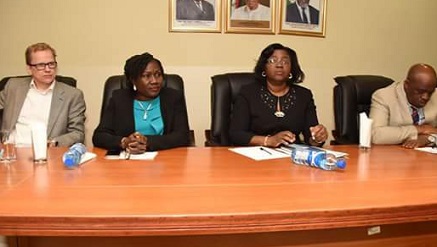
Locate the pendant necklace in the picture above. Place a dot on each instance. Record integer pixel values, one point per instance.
(279, 113)
(146, 110)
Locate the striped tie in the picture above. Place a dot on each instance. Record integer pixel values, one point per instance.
(415, 115)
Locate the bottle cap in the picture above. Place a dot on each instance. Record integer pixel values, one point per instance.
(341, 163)
(69, 162)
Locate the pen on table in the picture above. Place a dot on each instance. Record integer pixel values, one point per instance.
(281, 151)
(265, 150)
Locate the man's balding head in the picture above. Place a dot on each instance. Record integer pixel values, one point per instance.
(420, 84)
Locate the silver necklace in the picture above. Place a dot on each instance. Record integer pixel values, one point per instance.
(278, 112)
(146, 110)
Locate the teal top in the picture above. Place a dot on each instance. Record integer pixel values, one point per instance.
(148, 117)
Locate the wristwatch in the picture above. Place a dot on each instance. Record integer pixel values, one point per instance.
(432, 140)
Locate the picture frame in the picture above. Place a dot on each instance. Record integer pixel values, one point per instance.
(241, 19)
(191, 16)
(292, 20)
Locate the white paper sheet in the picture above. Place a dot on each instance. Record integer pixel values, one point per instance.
(86, 157)
(428, 150)
(143, 156)
(260, 153)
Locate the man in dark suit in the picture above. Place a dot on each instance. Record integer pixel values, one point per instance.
(194, 10)
(302, 12)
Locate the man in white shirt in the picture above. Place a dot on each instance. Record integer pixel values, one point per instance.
(253, 11)
(41, 99)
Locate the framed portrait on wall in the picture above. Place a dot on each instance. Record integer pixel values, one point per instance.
(303, 17)
(250, 16)
(195, 15)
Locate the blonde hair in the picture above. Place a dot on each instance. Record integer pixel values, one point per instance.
(37, 47)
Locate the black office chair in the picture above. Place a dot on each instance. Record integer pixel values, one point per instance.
(352, 95)
(119, 81)
(224, 90)
(65, 79)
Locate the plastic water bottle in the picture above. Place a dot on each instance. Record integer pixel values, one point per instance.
(72, 157)
(316, 157)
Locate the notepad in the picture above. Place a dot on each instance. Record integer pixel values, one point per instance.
(260, 153)
(143, 156)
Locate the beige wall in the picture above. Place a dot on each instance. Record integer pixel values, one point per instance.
(94, 37)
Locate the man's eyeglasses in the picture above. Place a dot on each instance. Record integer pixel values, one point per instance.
(42, 66)
(277, 61)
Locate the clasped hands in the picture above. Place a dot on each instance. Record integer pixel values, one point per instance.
(422, 138)
(135, 143)
(319, 134)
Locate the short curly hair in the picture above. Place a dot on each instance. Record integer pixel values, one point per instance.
(296, 71)
(135, 66)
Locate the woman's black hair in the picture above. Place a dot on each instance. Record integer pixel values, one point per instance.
(298, 74)
(135, 66)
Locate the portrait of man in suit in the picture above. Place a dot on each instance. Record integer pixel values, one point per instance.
(300, 11)
(200, 10)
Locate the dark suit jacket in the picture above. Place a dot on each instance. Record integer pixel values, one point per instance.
(188, 10)
(118, 121)
(252, 116)
(67, 111)
(293, 14)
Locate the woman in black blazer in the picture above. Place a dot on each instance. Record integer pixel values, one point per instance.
(145, 116)
(275, 110)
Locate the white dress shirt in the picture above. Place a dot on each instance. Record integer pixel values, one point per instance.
(261, 13)
(36, 108)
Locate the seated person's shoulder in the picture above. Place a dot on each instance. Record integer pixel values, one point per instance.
(16, 81)
(300, 90)
(68, 88)
(171, 92)
(385, 91)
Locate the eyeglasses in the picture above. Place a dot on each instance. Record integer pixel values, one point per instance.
(276, 61)
(42, 66)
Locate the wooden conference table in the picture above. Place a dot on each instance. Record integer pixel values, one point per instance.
(213, 197)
